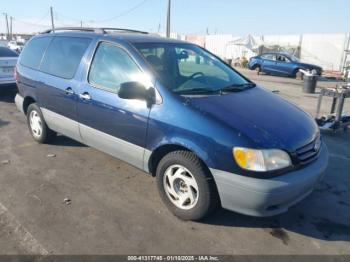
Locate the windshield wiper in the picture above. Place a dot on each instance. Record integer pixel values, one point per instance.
(202, 91)
(237, 87)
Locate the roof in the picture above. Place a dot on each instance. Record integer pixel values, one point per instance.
(150, 38)
(129, 35)
(278, 53)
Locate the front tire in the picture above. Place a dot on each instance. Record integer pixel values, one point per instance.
(298, 75)
(186, 186)
(37, 125)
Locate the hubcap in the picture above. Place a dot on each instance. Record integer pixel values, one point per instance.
(181, 187)
(35, 124)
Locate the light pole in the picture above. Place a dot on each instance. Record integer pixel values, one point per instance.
(7, 26)
(168, 20)
(11, 32)
(52, 23)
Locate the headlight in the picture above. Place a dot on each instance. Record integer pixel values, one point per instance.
(314, 71)
(261, 160)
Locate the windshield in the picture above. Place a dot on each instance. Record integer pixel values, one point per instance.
(189, 69)
(294, 58)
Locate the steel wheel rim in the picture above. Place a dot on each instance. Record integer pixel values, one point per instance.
(35, 123)
(180, 187)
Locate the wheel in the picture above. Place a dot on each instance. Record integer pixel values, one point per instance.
(37, 126)
(257, 69)
(298, 75)
(186, 186)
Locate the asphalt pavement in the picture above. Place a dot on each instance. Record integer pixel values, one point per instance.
(67, 198)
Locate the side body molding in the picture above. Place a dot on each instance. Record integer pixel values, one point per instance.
(61, 124)
(121, 149)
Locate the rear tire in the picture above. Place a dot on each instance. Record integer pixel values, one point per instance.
(37, 125)
(186, 186)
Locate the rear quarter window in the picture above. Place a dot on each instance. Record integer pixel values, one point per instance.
(6, 52)
(33, 52)
(63, 56)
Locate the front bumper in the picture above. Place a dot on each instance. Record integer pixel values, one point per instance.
(268, 197)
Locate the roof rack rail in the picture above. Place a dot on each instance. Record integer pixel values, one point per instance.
(122, 29)
(85, 29)
(92, 29)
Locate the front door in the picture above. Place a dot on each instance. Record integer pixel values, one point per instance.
(283, 65)
(111, 124)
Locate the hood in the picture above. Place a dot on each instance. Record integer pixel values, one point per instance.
(308, 66)
(265, 118)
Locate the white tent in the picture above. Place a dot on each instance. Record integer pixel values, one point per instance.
(251, 45)
(242, 47)
(250, 42)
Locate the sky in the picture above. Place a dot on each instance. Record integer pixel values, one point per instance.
(236, 17)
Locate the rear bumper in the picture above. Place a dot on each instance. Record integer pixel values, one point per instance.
(268, 197)
(7, 81)
(19, 102)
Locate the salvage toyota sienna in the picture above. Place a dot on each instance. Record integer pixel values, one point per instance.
(209, 135)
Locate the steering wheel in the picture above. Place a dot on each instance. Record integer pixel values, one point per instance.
(195, 75)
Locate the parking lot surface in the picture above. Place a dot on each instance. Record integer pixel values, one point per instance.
(67, 198)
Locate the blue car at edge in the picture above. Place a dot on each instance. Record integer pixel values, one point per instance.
(281, 64)
(210, 136)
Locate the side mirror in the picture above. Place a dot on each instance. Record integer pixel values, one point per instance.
(136, 90)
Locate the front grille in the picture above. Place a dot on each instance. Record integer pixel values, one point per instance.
(309, 152)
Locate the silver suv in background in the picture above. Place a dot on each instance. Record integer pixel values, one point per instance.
(8, 60)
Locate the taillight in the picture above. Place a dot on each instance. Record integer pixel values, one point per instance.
(15, 74)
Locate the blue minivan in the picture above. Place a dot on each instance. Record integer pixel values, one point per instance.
(209, 135)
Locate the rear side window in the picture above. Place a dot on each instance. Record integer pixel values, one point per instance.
(33, 52)
(6, 52)
(111, 67)
(269, 56)
(63, 56)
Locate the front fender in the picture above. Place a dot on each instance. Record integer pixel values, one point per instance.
(178, 122)
(215, 150)
(189, 145)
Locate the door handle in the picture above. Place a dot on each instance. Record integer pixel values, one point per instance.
(85, 96)
(69, 91)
